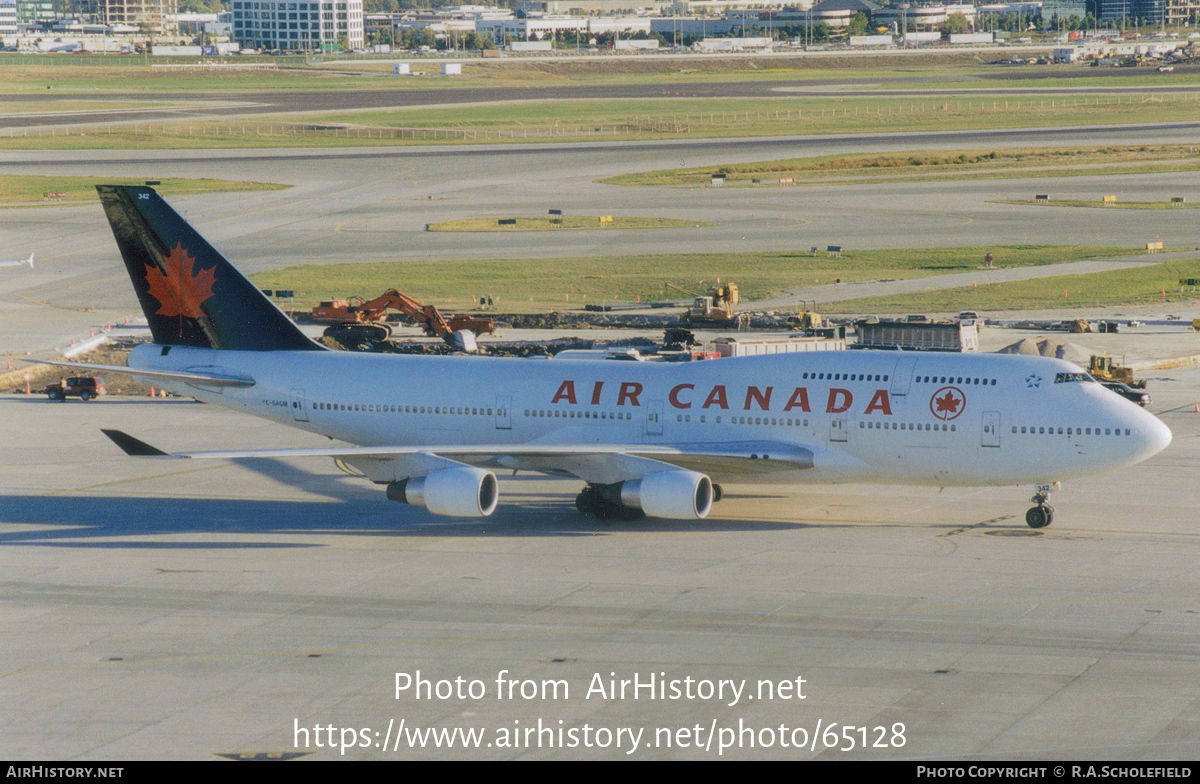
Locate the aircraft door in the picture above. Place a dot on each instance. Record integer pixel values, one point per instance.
(503, 412)
(838, 431)
(299, 406)
(991, 428)
(902, 376)
(654, 421)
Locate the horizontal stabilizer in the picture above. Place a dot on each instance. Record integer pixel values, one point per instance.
(207, 379)
(131, 446)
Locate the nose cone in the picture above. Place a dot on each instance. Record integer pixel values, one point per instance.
(1157, 436)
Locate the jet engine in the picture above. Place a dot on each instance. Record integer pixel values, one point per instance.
(457, 492)
(677, 495)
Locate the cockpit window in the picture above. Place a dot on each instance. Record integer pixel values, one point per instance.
(1072, 378)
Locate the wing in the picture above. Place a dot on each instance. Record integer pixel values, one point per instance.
(596, 463)
(195, 376)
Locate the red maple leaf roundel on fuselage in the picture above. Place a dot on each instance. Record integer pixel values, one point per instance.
(947, 403)
(180, 292)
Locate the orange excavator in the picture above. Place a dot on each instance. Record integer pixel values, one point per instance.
(356, 319)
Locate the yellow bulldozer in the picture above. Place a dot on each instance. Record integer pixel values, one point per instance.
(1102, 368)
(716, 307)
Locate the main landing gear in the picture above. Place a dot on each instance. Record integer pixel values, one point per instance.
(1041, 515)
(592, 502)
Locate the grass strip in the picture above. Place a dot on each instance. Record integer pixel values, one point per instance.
(1141, 285)
(927, 165)
(566, 222)
(535, 285)
(32, 189)
(1104, 205)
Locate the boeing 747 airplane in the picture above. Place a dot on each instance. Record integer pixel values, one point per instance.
(646, 438)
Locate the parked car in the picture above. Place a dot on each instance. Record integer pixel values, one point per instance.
(83, 387)
(1128, 392)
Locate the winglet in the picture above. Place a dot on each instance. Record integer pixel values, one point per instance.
(131, 446)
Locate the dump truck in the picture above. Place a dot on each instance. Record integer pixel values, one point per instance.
(356, 319)
(1102, 368)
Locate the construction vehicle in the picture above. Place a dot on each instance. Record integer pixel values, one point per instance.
(1102, 368)
(715, 307)
(807, 320)
(354, 319)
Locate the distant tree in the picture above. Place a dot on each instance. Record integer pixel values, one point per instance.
(859, 22)
(380, 6)
(479, 41)
(343, 43)
(955, 23)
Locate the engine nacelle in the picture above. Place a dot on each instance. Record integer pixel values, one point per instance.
(457, 492)
(679, 495)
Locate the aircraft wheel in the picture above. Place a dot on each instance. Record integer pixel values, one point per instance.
(717, 492)
(585, 503)
(1038, 517)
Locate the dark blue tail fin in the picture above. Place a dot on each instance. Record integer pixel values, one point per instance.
(191, 294)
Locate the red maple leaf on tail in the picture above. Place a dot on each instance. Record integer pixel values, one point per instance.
(179, 292)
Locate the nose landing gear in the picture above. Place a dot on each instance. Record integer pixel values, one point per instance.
(1041, 515)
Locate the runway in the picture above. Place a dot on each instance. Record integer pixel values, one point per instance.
(170, 609)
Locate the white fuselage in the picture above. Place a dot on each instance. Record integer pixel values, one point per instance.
(871, 416)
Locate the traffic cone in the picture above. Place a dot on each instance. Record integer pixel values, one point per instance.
(1197, 408)
(151, 391)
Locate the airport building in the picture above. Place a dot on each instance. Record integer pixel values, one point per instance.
(543, 27)
(157, 16)
(8, 17)
(30, 12)
(1122, 12)
(924, 17)
(306, 25)
(1182, 12)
